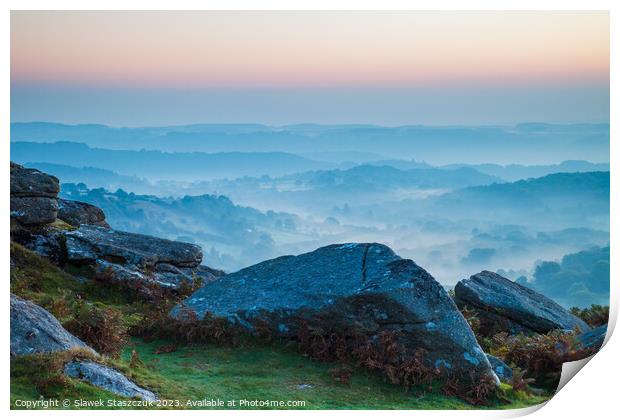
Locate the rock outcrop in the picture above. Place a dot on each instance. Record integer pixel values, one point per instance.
(363, 287)
(34, 207)
(89, 243)
(140, 260)
(33, 196)
(107, 378)
(34, 330)
(77, 213)
(132, 257)
(503, 305)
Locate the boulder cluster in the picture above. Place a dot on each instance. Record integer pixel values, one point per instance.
(356, 294)
(369, 289)
(72, 232)
(85, 238)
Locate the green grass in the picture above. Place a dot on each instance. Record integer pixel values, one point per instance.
(273, 372)
(40, 377)
(252, 371)
(255, 372)
(36, 279)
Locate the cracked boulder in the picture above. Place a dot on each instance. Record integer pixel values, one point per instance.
(135, 258)
(503, 305)
(365, 288)
(107, 378)
(35, 330)
(33, 196)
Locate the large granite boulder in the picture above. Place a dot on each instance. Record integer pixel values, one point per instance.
(77, 213)
(503, 305)
(34, 330)
(106, 378)
(366, 288)
(131, 257)
(33, 196)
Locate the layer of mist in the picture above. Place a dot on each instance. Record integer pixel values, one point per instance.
(457, 200)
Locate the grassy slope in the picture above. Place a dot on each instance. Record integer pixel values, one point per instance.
(256, 372)
(36, 279)
(253, 371)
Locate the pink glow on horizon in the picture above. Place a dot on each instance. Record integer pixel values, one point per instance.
(308, 49)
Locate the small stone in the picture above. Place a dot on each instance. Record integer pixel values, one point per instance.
(107, 378)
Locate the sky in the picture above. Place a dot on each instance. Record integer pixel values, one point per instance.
(389, 68)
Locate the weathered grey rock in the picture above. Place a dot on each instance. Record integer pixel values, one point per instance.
(592, 339)
(77, 213)
(503, 305)
(119, 272)
(89, 243)
(135, 258)
(172, 276)
(34, 210)
(33, 196)
(34, 330)
(207, 274)
(107, 378)
(366, 287)
(28, 182)
(47, 242)
(501, 369)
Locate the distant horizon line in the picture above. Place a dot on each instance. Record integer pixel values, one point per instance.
(299, 124)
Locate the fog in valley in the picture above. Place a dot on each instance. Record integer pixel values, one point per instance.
(529, 201)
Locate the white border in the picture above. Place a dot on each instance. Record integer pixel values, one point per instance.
(592, 395)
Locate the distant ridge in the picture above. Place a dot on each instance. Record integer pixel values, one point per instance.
(163, 165)
(529, 142)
